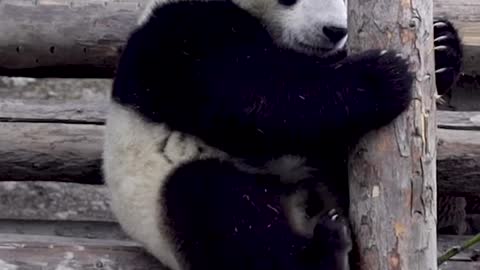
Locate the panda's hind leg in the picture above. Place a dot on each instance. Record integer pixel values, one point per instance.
(225, 218)
(331, 243)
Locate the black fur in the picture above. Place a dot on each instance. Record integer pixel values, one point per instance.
(448, 55)
(242, 224)
(212, 70)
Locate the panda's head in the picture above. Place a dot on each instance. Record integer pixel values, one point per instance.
(316, 27)
(309, 26)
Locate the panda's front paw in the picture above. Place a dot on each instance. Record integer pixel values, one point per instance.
(388, 80)
(448, 54)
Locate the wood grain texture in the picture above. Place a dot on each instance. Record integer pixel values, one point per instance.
(459, 162)
(392, 171)
(40, 252)
(459, 120)
(58, 112)
(65, 33)
(33, 252)
(62, 141)
(51, 152)
(66, 38)
(64, 228)
(47, 201)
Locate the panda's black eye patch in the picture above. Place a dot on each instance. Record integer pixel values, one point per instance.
(287, 2)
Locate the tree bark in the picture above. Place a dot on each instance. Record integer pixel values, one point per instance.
(392, 170)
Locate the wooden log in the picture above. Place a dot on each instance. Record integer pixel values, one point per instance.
(49, 201)
(51, 152)
(62, 141)
(63, 38)
(55, 253)
(458, 162)
(51, 90)
(64, 228)
(79, 38)
(392, 170)
(58, 112)
(458, 120)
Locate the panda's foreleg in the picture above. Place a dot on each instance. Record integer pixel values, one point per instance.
(282, 102)
(224, 218)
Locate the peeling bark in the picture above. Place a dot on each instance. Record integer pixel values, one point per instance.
(393, 170)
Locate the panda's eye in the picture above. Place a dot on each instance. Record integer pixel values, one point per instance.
(287, 2)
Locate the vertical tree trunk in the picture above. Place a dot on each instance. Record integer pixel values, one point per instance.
(393, 170)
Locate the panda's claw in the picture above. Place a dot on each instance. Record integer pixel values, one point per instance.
(439, 24)
(440, 70)
(440, 48)
(333, 215)
(440, 38)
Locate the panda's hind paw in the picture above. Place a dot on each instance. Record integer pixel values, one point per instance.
(334, 229)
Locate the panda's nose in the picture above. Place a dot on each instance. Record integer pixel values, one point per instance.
(334, 33)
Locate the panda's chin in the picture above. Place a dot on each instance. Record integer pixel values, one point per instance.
(315, 50)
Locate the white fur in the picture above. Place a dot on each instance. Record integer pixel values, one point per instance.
(299, 27)
(135, 171)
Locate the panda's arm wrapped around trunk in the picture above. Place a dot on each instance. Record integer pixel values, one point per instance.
(213, 70)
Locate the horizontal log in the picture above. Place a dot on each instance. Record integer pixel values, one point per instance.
(63, 142)
(53, 253)
(55, 90)
(64, 228)
(73, 36)
(459, 120)
(63, 38)
(54, 201)
(458, 161)
(59, 112)
(72, 153)
(74, 210)
(50, 252)
(51, 152)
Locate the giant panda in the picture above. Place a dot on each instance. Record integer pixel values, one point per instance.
(227, 131)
